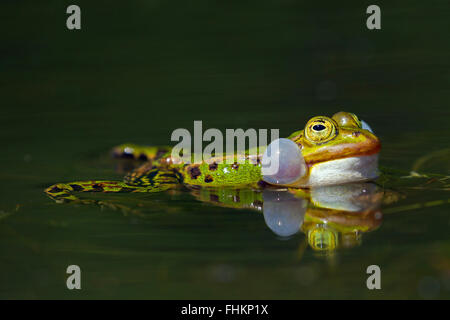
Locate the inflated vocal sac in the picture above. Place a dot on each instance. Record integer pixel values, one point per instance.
(365, 126)
(283, 163)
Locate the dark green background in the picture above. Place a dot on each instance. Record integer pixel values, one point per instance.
(138, 70)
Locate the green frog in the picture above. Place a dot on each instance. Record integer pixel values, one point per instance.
(330, 151)
(334, 195)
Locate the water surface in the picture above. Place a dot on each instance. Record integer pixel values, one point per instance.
(135, 72)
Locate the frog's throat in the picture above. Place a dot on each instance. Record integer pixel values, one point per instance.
(340, 171)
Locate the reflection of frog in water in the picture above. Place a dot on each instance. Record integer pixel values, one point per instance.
(330, 216)
(326, 198)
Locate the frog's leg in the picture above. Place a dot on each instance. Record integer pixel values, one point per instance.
(155, 180)
(138, 152)
(65, 191)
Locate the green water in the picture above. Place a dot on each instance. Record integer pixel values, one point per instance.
(135, 72)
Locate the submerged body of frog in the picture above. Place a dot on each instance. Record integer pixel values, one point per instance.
(335, 150)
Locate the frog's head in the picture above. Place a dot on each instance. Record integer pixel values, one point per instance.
(335, 150)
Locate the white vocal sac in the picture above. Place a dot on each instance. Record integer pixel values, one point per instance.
(283, 163)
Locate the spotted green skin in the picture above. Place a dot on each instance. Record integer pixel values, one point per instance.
(157, 175)
(237, 174)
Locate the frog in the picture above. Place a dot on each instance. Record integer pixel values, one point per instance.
(332, 150)
(334, 200)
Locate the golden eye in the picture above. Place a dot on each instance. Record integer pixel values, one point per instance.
(323, 239)
(347, 119)
(320, 129)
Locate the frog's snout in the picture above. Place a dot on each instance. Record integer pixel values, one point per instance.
(364, 143)
(373, 143)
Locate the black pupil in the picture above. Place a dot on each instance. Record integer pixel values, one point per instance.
(318, 127)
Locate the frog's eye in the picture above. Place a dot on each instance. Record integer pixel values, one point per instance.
(322, 238)
(347, 119)
(320, 130)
